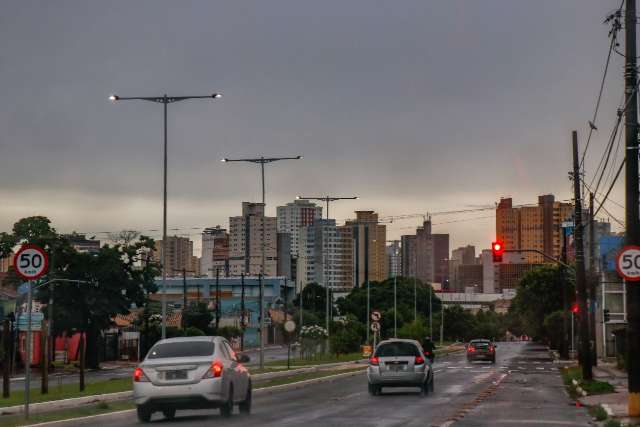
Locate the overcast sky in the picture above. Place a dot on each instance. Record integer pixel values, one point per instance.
(413, 105)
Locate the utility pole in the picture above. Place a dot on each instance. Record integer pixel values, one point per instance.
(218, 303)
(632, 202)
(592, 282)
(564, 343)
(261, 320)
(585, 350)
(184, 295)
(243, 315)
(6, 362)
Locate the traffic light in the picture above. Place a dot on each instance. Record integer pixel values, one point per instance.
(605, 315)
(575, 308)
(497, 248)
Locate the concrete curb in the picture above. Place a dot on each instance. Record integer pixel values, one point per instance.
(256, 392)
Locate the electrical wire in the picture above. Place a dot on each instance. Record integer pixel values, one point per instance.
(611, 187)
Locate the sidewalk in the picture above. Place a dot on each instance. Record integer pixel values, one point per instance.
(616, 404)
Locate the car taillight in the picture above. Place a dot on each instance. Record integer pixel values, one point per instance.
(215, 371)
(471, 349)
(139, 376)
(419, 360)
(490, 349)
(374, 361)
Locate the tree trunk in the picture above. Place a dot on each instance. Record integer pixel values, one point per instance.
(93, 346)
(82, 359)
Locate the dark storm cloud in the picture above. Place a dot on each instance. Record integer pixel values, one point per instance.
(413, 105)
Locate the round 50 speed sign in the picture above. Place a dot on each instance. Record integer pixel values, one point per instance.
(628, 263)
(31, 262)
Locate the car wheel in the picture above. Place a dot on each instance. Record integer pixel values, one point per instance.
(424, 389)
(226, 410)
(431, 385)
(245, 406)
(374, 390)
(144, 414)
(169, 413)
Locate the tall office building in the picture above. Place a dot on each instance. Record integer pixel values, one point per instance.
(326, 256)
(426, 255)
(394, 259)
(246, 241)
(293, 216)
(465, 255)
(369, 240)
(215, 252)
(536, 227)
(179, 256)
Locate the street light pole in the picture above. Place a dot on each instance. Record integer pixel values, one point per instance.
(261, 161)
(164, 100)
(327, 200)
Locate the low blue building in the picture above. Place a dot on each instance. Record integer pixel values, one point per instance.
(230, 288)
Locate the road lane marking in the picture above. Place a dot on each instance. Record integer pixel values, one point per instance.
(540, 369)
(439, 370)
(538, 422)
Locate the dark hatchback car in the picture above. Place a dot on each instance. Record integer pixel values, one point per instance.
(481, 349)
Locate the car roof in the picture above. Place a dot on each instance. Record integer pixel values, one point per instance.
(481, 340)
(392, 340)
(191, 339)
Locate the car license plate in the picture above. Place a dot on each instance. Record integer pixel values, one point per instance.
(397, 368)
(175, 375)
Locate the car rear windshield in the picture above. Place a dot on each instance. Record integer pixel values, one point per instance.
(397, 349)
(181, 349)
(480, 344)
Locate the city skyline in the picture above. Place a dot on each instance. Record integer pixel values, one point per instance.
(69, 154)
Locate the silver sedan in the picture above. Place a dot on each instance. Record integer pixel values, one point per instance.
(191, 373)
(399, 363)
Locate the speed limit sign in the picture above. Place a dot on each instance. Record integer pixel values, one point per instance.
(31, 262)
(628, 263)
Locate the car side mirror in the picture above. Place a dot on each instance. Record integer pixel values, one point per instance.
(243, 358)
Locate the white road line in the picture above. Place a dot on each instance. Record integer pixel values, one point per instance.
(486, 367)
(439, 370)
(537, 422)
(468, 367)
(540, 369)
(453, 367)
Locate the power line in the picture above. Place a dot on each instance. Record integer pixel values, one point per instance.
(611, 187)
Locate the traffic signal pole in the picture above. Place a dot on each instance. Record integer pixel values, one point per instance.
(632, 203)
(581, 286)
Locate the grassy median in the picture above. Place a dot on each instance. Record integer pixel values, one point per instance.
(591, 386)
(67, 391)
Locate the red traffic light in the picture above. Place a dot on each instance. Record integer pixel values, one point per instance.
(497, 248)
(575, 308)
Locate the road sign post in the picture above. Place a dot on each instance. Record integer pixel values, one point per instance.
(31, 262)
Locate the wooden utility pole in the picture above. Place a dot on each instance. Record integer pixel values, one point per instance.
(632, 219)
(44, 359)
(6, 362)
(581, 286)
(218, 303)
(592, 282)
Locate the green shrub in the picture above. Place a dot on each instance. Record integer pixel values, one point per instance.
(612, 423)
(598, 413)
(192, 331)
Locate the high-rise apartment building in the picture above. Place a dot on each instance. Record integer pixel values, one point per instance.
(246, 235)
(326, 256)
(178, 257)
(426, 255)
(215, 252)
(369, 242)
(408, 257)
(293, 216)
(394, 259)
(533, 227)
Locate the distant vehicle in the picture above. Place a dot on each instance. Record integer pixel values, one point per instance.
(399, 363)
(191, 373)
(481, 349)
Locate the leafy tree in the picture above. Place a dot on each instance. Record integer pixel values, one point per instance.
(346, 336)
(416, 330)
(198, 316)
(381, 298)
(553, 328)
(539, 294)
(314, 299)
